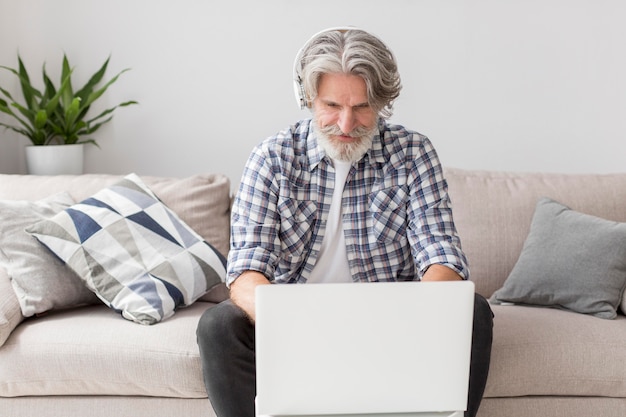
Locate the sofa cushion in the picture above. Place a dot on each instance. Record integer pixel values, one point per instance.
(10, 312)
(570, 260)
(542, 351)
(133, 251)
(89, 351)
(41, 281)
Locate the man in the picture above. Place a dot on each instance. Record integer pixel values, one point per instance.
(342, 197)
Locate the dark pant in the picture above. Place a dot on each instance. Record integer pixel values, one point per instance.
(226, 341)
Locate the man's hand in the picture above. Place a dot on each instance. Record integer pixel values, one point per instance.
(437, 272)
(242, 291)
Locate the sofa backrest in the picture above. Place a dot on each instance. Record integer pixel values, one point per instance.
(493, 212)
(202, 201)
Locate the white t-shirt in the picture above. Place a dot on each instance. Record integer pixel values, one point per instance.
(332, 262)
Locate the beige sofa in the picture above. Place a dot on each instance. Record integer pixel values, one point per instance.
(90, 361)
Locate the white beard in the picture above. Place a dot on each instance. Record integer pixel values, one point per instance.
(348, 152)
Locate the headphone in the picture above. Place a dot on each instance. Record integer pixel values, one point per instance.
(298, 84)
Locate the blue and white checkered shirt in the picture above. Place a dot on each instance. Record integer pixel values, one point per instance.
(397, 218)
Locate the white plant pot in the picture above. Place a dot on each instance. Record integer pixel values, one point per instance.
(55, 159)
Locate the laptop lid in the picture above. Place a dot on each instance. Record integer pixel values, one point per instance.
(369, 348)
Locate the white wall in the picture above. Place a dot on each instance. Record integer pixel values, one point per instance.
(536, 85)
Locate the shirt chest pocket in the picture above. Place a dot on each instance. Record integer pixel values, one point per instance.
(388, 211)
(297, 220)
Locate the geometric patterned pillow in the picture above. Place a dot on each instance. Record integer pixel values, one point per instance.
(133, 252)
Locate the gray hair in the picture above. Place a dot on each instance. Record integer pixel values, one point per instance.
(354, 52)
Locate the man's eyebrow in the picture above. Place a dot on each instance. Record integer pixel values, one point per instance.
(332, 102)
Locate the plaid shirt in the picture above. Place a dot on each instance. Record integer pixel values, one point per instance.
(397, 218)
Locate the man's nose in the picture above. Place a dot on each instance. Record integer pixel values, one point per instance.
(347, 121)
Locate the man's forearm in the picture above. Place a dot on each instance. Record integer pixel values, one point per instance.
(242, 291)
(437, 272)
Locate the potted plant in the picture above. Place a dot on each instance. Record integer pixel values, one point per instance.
(57, 117)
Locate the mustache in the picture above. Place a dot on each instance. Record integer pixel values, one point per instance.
(358, 132)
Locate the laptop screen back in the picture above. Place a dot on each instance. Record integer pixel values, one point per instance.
(354, 349)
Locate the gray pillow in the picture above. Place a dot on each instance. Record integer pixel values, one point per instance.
(570, 260)
(40, 280)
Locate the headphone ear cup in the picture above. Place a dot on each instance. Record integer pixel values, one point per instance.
(298, 89)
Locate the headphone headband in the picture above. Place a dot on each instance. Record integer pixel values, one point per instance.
(298, 85)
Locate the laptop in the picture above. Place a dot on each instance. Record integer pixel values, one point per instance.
(363, 349)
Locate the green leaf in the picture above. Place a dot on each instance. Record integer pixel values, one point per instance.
(28, 91)
(92, 129)
(128, 103)
(110, 110)
(56, 129)
(25, 83)
(91, 141)
(66, 72)
(71, 113)
(93, 81)
(16, 129)
(97, 94)
(40, 119)
(6, 94)
(27, 113)
(50, 90)
(5, 108)
(54, 101)
(25, 123)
